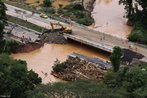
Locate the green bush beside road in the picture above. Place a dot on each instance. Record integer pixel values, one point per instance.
(139, 34)
(77, 13)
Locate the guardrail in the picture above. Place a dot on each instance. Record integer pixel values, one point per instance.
(102, 46)
(141, 45)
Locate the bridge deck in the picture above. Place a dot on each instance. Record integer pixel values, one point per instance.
(90, 43)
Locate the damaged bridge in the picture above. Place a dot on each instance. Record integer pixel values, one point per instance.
(83, 40)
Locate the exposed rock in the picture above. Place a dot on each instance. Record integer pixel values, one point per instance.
(88, 4)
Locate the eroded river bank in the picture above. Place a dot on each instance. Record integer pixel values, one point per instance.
(109, 19)
(42, 60)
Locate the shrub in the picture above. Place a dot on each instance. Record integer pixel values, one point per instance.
(59, 67)
(50, 10)
(77, 7)
(15, 79)
(47, 3)
(77, 13)
(139, 34)
(8, 46)
(85, 21)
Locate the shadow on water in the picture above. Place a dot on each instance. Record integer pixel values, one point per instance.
(84, 46)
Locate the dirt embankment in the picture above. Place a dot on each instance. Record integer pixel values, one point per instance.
(55, 37)
(75, 68)
(25, 48)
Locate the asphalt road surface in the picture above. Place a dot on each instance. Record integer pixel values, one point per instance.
(81, 31)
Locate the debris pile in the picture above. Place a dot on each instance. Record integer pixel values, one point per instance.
(53, 38)
(75, 68)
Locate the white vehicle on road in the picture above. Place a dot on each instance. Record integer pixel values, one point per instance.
(42, 15)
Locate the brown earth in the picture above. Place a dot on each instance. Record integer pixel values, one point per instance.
(55, 37)
(28, 47)
(78, 69)
(50, 37)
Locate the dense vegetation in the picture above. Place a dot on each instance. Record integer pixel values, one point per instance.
(139, 34)
(77, 13)
(121, 82)
(115, 58)
(74, 11)
(5, 45)
(3, 19)
(128, 82)
(17, 82)
(8, 46)
(47, 3)
(136, 12)
(15, 79)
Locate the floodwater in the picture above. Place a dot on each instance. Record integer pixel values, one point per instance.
(108, 16)
(42, 60)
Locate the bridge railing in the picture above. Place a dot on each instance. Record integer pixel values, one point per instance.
(114, 38)
(100, 33)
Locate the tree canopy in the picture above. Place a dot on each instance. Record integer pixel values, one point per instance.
(47, 3)
(115, 58)
(15, 79)
(136, 10)
(128, 82)
(2, 19)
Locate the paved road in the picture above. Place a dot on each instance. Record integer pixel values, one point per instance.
(81, 31)
(20, 33)
(27, 15)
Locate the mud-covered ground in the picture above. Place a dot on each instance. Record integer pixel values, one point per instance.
(55, 37)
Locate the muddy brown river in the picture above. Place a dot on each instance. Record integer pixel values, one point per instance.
(108, 17)
(42, 60)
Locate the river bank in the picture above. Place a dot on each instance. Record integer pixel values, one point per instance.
(42, 60)
(31, 40)
(78, 66)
